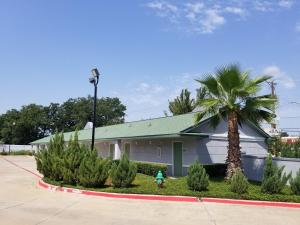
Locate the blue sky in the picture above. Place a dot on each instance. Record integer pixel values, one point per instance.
(146, 51)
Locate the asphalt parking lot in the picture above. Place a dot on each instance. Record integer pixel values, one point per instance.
(22, 202)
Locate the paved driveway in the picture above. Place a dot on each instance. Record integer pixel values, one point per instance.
(22, 202)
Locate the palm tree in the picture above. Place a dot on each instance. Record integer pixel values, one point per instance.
(232, 96)
(182, 104)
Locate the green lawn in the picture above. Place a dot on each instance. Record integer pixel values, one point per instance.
(144, 184)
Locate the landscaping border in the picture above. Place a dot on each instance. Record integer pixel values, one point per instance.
(44, 185)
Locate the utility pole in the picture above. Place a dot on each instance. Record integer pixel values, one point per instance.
(272, 85)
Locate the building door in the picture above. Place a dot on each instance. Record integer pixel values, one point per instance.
(111, 151)
(127, 149)
(177, 159)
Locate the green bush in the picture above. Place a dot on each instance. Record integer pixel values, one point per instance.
(197, 178)
(216, 170)
(239, 183)
(123, 174)
(148, 168)
(93, 171)
(50, 161)
(151, 169)
(295, 184)
(72, 158)
(21, 152)
(273, 181)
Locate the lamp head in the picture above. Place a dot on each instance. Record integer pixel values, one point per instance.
(92, 80)
(95, 72)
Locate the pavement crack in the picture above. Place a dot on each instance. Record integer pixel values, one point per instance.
(57, 213)
(18, 204)
(209, 214)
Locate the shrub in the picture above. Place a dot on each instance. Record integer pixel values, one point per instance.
(197, 179)
(295, 184)
(50, 161)
(123, 174)
(215, 170)
(72, 158)
(151, 169)
(239, 183)
(273, 181)
(4, 153)
(148, 168)
(93, 171)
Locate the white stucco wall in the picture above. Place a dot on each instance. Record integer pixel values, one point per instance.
(208, 150)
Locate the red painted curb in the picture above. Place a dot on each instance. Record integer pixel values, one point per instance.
(157, 197)
(117, 195)
(249, 202)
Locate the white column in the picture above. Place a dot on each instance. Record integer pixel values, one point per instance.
(118, 147)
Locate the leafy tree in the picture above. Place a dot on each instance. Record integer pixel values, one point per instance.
(123, 174)
(239, 183)
(24, 126)
(93, 171)
(295, 184)
(75, 113)
(273, 180)
(197, 178)
(182, 104)
(33, 121)
(232, 96)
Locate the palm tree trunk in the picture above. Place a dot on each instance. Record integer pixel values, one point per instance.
(234, 150)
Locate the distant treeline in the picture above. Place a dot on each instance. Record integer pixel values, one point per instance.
(33, 121)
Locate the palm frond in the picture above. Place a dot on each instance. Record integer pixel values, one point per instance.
(210, 83)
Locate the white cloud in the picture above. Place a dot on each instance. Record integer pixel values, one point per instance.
(279, 75)
(235, 10)
(147, 99)
(164, 9)
(263, 6)
(206, 16)
(211, 21)
(286, 3)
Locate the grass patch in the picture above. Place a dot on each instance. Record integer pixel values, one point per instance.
(22, 152)
(218, 188)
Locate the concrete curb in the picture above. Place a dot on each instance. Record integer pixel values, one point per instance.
(44, 185)
(251, 202)
(119, 195)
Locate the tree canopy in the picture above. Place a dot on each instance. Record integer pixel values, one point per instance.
(231, 95)
(182, 104)
(33, 121)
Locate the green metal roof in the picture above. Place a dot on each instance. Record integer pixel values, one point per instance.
(171, 126)
(159, 127)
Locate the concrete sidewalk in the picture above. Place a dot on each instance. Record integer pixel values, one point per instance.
(23, 202)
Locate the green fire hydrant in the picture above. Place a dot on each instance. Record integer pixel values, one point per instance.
(159, 179)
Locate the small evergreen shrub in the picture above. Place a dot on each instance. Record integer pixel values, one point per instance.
(123, 174)
(216, 170)
(197, 178)
(93, 171)
(72, 159)
(151, 169)
(273, 181)
(239, 183)
(295, 184)
(50, 161)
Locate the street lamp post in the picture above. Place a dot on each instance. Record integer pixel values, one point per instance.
(94, 80)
